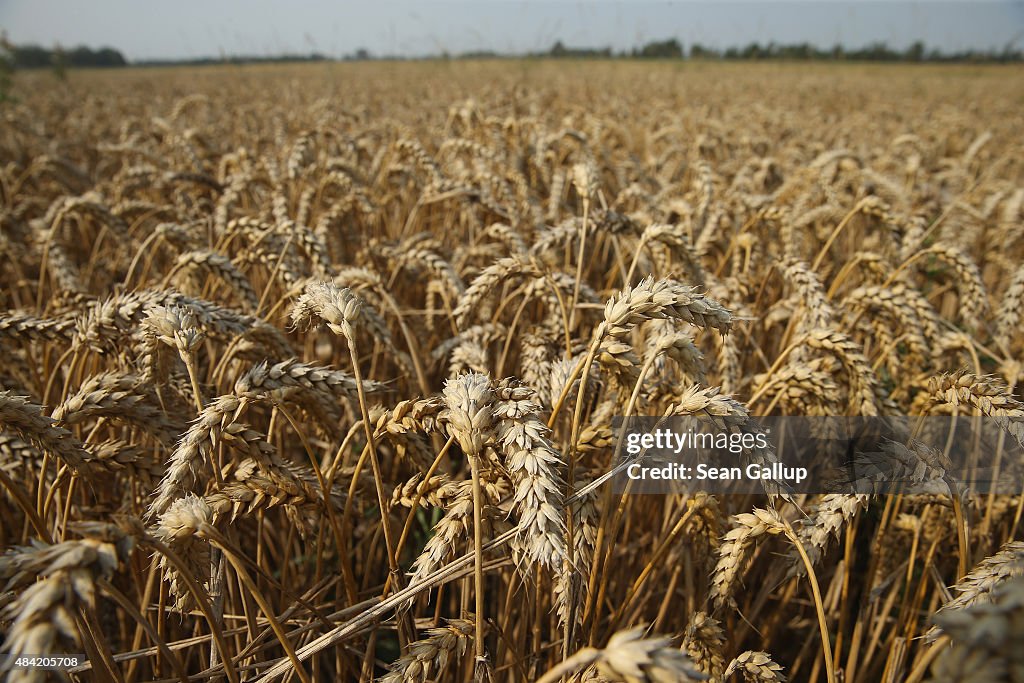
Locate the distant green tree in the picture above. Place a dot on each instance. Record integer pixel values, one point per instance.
(915, 53)
(31, 57)
(752, 51)
(698, 51)
(876, 52)
(36, 57)
(662, 49)
(83, 56)
(108, 56)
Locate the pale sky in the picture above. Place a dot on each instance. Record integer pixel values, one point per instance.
(148, 29)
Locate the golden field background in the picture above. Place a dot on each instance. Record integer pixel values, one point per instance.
(309, 371)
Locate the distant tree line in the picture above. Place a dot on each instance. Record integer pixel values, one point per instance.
(875, 52)
(36, 57)
(672, 48)
(234, 59)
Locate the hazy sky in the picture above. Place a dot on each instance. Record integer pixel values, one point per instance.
(144, 29)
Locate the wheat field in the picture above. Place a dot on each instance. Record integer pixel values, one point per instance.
(309, 372)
